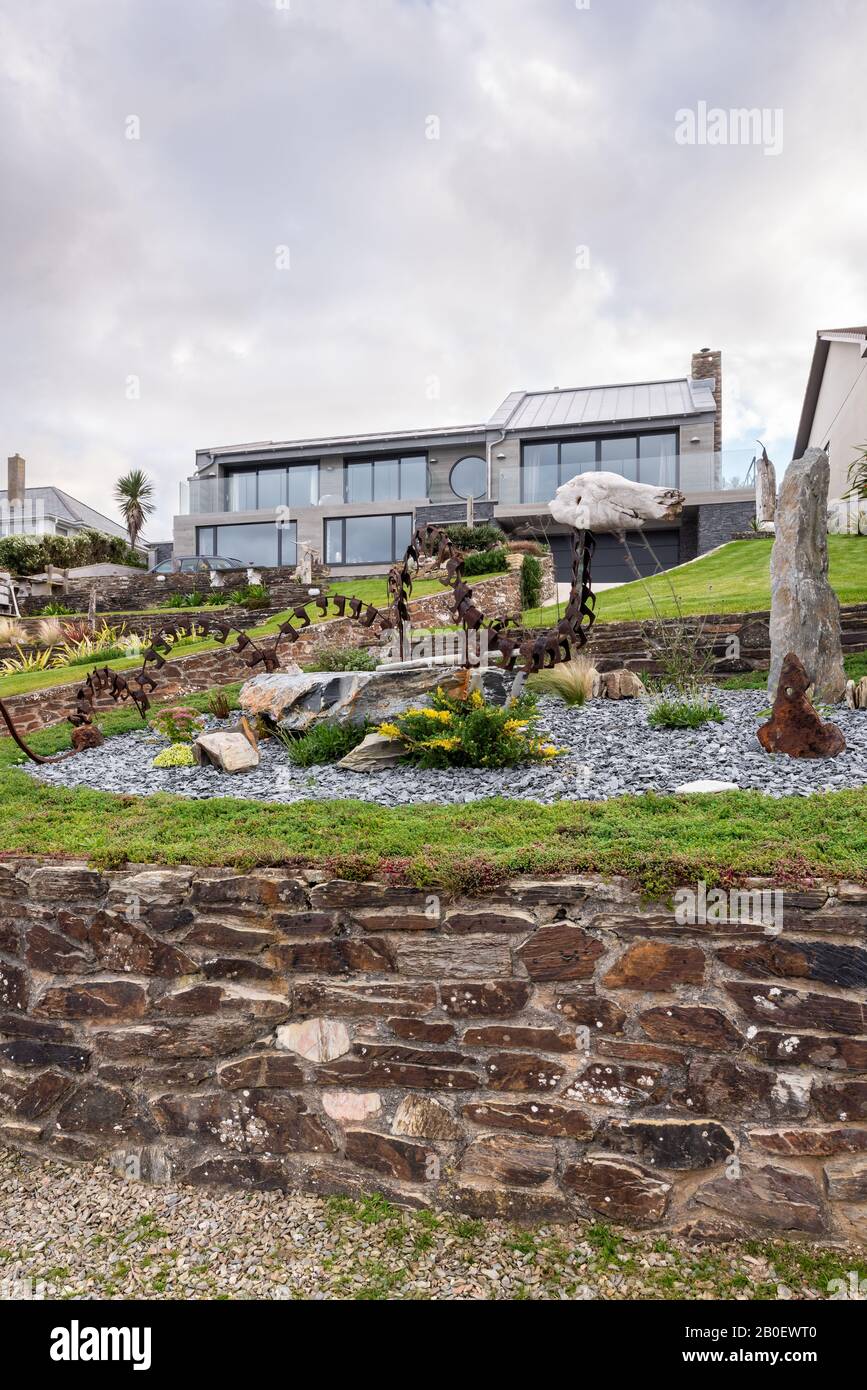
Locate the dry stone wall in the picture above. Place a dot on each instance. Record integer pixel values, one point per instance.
(552, 1048)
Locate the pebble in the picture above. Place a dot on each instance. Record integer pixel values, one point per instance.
(128, 1240)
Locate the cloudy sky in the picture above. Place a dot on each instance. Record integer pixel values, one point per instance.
(227, 220)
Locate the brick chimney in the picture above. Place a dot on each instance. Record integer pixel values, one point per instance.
(707, 366)
(15, 490)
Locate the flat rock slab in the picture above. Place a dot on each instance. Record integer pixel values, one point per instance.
(375, 752)
(705, 785)
(296, 702)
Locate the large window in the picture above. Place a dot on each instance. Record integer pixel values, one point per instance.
(643, 458)
(386, 479)
(254, 543)
(265, 489)
(469, 477)
(366, 540)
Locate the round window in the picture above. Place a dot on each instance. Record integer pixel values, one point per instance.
(468, 478)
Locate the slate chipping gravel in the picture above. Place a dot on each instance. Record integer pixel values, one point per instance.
(86, 1233)
(612, 751)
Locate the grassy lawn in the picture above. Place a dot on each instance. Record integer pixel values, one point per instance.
(732, 580)
(657, 840)
(368, 590)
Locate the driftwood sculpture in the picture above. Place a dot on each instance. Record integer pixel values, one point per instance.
(604, 501)
(795, 727)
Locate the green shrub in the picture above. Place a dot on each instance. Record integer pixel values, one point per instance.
(56, 610)
(30, 554)
(485, 562)
(457, 732)
(178, 755)
(179, 600)
(684, 714)
(531, 582)
(25, 661)
(482, 537)
(252, 596)
(325, 743)
(338, 659)
(178, 724)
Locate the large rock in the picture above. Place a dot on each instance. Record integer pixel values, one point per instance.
(856, 693)
(296, 702)
(617, 685)
(230, 750)
(805, 611)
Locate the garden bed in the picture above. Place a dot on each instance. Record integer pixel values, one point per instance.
(608, 750)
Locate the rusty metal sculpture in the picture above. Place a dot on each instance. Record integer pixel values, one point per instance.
(504, 637)
(795, 727)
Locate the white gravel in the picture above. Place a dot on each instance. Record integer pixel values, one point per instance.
(610, 751)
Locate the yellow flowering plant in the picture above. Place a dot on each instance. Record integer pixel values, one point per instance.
(455, 731)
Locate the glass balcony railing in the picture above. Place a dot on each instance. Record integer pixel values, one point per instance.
(702, 471)
(513, 484)
(296, 488)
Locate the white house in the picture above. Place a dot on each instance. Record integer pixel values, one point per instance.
(834, 414)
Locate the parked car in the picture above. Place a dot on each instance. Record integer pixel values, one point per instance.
(198, 564)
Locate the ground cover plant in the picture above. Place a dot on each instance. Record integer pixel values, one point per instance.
(176, 755)
(343, 659)
(324, 743)
(673, 713)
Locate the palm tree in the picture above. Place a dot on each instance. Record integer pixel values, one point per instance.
(858, 475)
(133, 495)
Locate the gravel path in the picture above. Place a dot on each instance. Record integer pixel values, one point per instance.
(86, 1233)
(611, 750)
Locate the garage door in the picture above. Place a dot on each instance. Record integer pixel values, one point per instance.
(610, 565)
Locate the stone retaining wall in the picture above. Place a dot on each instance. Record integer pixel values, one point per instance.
(120, 592)
(553, 1048)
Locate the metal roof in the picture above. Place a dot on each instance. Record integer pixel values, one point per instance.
(337, 441)
(595, 405)
(521, 410)
(62, 507)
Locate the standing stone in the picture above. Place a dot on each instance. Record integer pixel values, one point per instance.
(766, 492)
(805, 611)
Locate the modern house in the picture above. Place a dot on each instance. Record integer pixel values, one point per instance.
(355, 499)
(46, 511)
(834, 414)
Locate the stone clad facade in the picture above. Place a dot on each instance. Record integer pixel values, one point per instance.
(550, 1049)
